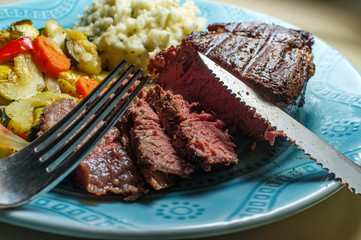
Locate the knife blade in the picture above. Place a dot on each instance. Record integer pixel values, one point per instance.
(343, 168)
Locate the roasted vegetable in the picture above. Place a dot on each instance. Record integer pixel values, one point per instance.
(35, 72)
(4, 38)
(9, 142)
(33, 132)
(35, 128)
(55, 31)
(5, 71)
(15, 47)
(83, 52)
(18, 30)
(24, 81)
(23, 29)
(4, 119)
(37, 113)
(52, 84)
(84, 86)
(25, 114)
(99, 77)
(67, 81)
(49, 57)
(4, 101)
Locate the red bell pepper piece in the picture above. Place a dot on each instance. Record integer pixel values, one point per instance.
(15, 47)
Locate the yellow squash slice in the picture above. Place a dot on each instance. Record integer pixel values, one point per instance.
(24, 114)
(24, 81)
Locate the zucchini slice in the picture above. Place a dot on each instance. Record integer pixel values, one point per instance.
(24, 81)
(4, 38)
(55, 31)
(83, 52)
(4, 118)
(5, 71)
(4, 101)
(37, 113)
(23, 28)
(24, 114)
(32, 135)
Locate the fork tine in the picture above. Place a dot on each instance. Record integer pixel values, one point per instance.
(89, 126)
(77, 156)
(64, 136)
(58, 173)
(43, 141)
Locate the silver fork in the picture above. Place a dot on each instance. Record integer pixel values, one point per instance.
(41, 165)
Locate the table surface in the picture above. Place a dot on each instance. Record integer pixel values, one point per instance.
(338, 217)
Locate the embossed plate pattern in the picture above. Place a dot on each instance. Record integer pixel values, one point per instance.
(269, 184)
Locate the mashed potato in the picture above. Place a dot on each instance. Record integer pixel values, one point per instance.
(137, 29)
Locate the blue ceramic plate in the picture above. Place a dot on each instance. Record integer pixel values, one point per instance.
(269, 184)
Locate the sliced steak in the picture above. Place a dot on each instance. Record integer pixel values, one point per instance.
(53, 113)
(198, 137)
(159, 161)
(107, 168)
(273, 60)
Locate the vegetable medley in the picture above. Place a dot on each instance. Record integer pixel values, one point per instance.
(37, 68)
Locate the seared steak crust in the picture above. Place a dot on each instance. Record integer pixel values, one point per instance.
(275, 61)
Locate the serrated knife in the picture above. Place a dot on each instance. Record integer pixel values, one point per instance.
(344, 169)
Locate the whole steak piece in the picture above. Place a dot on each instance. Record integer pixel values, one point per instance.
(275, 61)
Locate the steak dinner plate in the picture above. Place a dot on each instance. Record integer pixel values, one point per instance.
(269, 183)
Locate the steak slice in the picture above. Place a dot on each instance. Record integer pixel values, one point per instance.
(107, 168)
(53, 113)
(159, 161)
(275, 61)
(198, 137)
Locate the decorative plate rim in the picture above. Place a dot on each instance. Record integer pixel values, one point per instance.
(24, 216)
